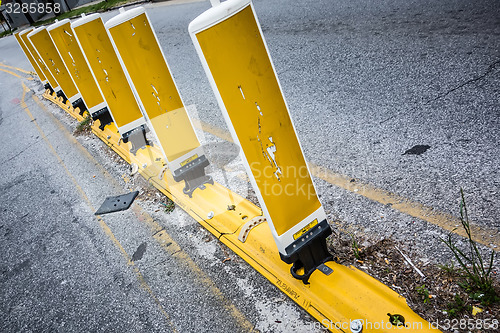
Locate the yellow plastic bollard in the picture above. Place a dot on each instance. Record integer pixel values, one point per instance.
(65, 41)
(53, 86)
(229, 41)
(32, 61)
(48, 53)
(231, 47)
(140, 54)
(108, 73)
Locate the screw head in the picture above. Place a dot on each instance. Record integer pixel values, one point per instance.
(210, 215)
(357, 326)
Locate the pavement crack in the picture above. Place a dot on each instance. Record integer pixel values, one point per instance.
(490, 69)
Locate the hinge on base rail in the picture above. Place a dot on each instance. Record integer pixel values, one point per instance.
(308, 252)
(137, 137)
(247, 227)
(104, 117)
(193, 173)
(49, 88)
(79, 104)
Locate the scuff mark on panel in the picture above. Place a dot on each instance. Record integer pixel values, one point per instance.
(270, 151)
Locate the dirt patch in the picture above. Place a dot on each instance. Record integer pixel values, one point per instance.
(437, 297)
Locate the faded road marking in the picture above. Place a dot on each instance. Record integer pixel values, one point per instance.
(483, 235)
(102, 224)
(159, 234)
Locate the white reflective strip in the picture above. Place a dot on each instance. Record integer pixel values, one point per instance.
(217, 14)
(57, 24)
(124, 17)
(130, 126)
(34, 32)
(85, 19)
(176, 164)
(97, 107)
(74, 98)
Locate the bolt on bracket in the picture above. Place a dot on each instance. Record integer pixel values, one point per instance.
(193, 173)
(308, 252)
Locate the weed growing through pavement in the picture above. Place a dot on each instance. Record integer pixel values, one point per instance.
(169, 205)
(457, 307)
(83, 126)
(474, 271)
(424, 292)
(355, 248)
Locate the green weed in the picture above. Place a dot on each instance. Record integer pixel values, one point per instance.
(83, 126)
(474, 270)
(424, 292)
(457, 307)
(355, 248)
(169, 206)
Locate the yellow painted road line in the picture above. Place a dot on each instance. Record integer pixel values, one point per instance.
(159, 234)
(483, 235)
(170, 246)
(322, 299)
(102, 224)
(16, 75)
(18, 69)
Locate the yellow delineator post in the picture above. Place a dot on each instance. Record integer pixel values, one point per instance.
(48, 53)
(65, 41)
(32, 61)
(112, 82)
(229, 42)
(231, 47)
(149, 75)
(53, 86)
(335, 300)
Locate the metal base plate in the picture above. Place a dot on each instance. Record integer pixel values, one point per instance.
(117, 203)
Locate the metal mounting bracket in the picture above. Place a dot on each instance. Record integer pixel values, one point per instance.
(137, 137)
(308, 252)
(193, 173)
(48, 87)
(79, 104)
(60, 93)
(117, 203)
(104, 117)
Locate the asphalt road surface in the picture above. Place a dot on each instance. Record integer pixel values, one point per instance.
(364, 81)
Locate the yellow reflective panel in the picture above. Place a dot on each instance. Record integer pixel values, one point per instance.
(139, 50)
(71, 54)
(48, 75)
(101, 56)
(238, 60)
(175, 133)
(32, 61)
(53, 61)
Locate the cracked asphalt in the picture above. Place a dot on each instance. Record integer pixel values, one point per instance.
(367, 81)
(364, 81)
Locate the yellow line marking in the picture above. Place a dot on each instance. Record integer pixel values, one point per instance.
(161, 236)
(11, 73)
(483, 235)
(170, 246)
(18, 69)
(102, 224)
